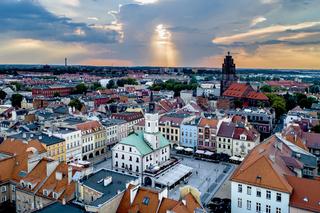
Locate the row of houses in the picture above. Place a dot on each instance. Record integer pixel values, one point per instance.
(233, 136)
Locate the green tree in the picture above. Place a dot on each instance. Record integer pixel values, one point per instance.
(3, 95)
(111, 84)
(96, 86)
(76, 103)
(17, 85)
(81, 89)
(266, 88)
(126, 81)
(278, 103)
(237, 103)
(56, 94)
(16, 100)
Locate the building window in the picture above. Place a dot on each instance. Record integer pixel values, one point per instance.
(239, 202)
(248, 205)
(130, 158)
(278, 197)
(122, 147)
(248, 190)
(146, 200)
(240, 188)
(278, 210)
(55, 195)
(116, 155)
(268, 209)
(130, 149)
(3, 188)
(3, 199)
(258, 193)
(116, 165)
(258, 207)
(137, 160)
(122, 157)
(268, 195)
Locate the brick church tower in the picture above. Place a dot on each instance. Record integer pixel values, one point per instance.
(228, 73)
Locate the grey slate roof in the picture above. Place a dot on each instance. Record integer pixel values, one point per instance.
(119, 182)
(58, 207)
(42, 137)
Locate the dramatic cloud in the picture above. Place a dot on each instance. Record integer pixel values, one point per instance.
(27, 19)
(258, 20)
(164, 32)
(262, 32)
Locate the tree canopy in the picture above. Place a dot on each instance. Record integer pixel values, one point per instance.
(175, 86)
(3, 95)
(128, 81)
(278, 103)
(76, 104)
(81, 89)
(16, 100)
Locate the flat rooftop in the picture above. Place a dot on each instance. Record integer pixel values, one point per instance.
(119, 182)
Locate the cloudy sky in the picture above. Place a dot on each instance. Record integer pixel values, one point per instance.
(259, 33)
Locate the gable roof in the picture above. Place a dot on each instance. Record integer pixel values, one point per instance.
(226, 129)
(239, 90)
(264, 167)
(18, 146)
(148, 200)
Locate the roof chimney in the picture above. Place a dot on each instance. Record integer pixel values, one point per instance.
(107, 181)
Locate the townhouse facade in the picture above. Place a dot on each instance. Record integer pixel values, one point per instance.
(169, 126)
(93, 136)
(207, 132)
(73, 143)
(189, 134)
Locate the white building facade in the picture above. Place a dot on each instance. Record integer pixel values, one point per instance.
(249, 198)
(73, 143)
(143, 150)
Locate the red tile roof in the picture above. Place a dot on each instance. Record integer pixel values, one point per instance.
(212, 123)
(88, 125)
(305, 193)
(257, 96)
(251, 134)
(238, 90)
(264, 167)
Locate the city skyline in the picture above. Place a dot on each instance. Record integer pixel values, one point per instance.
(280, 34)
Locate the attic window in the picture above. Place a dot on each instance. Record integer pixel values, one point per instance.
(305, 199)
(146, 201)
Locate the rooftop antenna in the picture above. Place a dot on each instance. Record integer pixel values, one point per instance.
(66, 62)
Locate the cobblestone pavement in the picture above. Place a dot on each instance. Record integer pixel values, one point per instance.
(207, 177)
